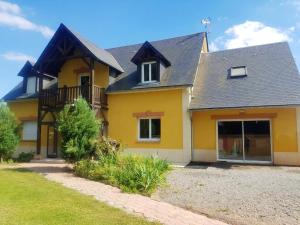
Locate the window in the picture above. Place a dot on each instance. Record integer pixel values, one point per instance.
(248, 140)
(149, 72)
(29, 131)
(31, 85)
(238, 71)
(149, 129)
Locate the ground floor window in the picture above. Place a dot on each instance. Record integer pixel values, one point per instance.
(29, 131)
(149, 129)
(244, 140)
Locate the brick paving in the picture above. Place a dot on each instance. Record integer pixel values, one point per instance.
(151, 209)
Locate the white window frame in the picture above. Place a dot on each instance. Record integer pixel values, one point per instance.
(150, 72)
(150, 129)
(33, 135)
(244, 68)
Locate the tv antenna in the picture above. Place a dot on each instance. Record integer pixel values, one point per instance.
(206, 23)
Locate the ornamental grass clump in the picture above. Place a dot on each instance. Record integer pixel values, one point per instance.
(131, 173)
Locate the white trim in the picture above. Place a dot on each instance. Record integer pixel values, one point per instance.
(245, 161)
(150, 139)
(150, 72)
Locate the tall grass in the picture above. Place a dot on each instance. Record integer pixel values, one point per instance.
(131, 173)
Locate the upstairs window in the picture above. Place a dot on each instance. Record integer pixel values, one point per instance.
(32, 86)
(238, 71)
(149, 72)
(149, 129)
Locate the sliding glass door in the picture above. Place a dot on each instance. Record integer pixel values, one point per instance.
(244, 141)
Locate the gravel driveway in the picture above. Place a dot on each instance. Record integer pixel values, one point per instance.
(237, 194)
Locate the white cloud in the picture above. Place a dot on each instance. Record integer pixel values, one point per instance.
(18, 56)
(9, 7)
(213, 47)
(10, 15)
(294, 3)
(252, 33)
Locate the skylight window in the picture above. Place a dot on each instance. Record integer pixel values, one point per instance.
(238, 71)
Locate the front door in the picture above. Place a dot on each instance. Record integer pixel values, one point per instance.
(84, 81)
(51, 141)
(244, 141)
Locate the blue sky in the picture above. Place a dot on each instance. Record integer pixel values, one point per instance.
(27, 26)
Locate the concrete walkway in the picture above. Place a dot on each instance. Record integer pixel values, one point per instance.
(132, 203)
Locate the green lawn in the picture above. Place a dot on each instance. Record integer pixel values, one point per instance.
(28, 198)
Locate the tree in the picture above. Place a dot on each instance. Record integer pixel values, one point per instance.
(9, 132)
(78, 127)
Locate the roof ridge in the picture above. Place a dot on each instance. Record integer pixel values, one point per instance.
(151, 42)
(252, 46)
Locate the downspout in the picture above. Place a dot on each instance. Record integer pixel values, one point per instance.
(192, 139)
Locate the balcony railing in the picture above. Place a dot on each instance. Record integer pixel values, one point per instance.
(58, 97)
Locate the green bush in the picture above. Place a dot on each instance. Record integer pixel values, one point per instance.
(25, 157)
(132, 173)
(105, 146)
(78, 126)
(9, 133)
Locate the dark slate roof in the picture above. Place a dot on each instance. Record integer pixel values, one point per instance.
(182, 52)
(95, 51)
(272, 80)
(98, 52)
(27, 69)
(17, 93)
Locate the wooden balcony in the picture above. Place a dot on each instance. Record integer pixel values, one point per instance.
(56, 98)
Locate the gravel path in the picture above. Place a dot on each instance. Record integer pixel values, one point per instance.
(132, 203)
(238, 194)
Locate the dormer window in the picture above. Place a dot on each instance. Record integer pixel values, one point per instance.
(149, 72)
(238, 71)
(32, 86)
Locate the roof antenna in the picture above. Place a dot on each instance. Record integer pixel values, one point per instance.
(206, 23)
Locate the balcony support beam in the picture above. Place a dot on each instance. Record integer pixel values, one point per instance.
(39, 122)
(92, 80)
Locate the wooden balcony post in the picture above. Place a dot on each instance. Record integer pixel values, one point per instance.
(39, 122)
(92, 81)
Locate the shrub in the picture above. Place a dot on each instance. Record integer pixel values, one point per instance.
(141, 174)
(25, 157)
(9, 133)
(78, 126)
(105, 146)
(132, 173)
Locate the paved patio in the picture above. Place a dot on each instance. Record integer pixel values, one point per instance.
(140, 205)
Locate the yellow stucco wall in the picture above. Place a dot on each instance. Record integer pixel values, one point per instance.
(123, 125)
(284, 128)
(69, 77)
(26, 109)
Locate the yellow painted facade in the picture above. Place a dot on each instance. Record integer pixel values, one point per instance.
(24, 110)
(172, 106)
(284, 127)
(70, 77)
(123, 125)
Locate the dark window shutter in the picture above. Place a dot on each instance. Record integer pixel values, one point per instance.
(24, 84)
(155, 71)
(139, 73)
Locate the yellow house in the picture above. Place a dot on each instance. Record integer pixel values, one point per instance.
(170, 98)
